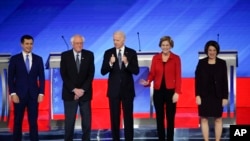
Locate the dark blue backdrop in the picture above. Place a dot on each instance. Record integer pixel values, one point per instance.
(190, 23)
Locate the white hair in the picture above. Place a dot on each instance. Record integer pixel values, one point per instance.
(73, 37)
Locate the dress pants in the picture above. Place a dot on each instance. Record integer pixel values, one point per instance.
(32, 110)
(70, 109)
(115, 112)
(163, 101)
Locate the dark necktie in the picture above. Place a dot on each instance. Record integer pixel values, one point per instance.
(27, 63)
(77, 62)
(120, 58)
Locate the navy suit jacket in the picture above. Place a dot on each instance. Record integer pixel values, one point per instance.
(25, 83)
(220, 78)
(72, 79)
(120, 81)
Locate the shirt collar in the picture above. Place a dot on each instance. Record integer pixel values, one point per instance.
(75, 53)
(25, 54)
(122, 49)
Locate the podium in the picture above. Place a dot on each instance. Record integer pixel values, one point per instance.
(53, 64)
(231, 58)
(56, 103)
(4, 102)
(144, 60)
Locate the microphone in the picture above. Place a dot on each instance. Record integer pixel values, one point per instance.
(218, 37)
(65, 42)
(138, 34)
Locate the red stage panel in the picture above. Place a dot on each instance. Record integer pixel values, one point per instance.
(243, 101)
(186, 116)
(242, 92)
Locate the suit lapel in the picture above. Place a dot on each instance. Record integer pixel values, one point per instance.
(82, 60)
(114, 52)
(33, 62)
(116, 58)
(23, 62)
(73, 60)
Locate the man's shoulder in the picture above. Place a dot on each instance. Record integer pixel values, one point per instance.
(87, 51)
(36, 55)
(129, 49)
(110, 49)
(17, 56)
(66, 52)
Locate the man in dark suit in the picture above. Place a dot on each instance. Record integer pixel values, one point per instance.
(121, 63)
(77, 72)
(26, 86)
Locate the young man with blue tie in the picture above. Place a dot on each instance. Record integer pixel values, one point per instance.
(26, 82)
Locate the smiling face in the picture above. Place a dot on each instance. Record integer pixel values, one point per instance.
(27, 45)
(212, 52)
(212, 49)
(165, 47)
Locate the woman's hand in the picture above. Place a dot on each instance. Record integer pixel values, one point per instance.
(198, 100)
(224, 102)
(175, 97)
(144, 82)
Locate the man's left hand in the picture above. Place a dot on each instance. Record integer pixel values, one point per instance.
(40, 98)
(124, 59)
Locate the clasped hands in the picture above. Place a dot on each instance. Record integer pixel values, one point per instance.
(113, 59)
(78, 93)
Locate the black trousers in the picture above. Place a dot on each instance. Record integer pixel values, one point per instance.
(115, 112)
(70, 110)
(163, 105)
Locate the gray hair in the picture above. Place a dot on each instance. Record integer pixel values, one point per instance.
(121, 33)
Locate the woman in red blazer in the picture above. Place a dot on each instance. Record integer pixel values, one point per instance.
(166, 73)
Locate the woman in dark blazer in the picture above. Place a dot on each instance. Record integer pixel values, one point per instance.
(166, 73)
(211, 89)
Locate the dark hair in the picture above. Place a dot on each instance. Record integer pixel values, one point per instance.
(26, 37)
(214, 44)
(166, 38)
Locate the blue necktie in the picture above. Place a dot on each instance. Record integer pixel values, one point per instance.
(120, 58)
(27, 62)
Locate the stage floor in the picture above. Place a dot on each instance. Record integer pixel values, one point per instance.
(144, 130)
(140, 134)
